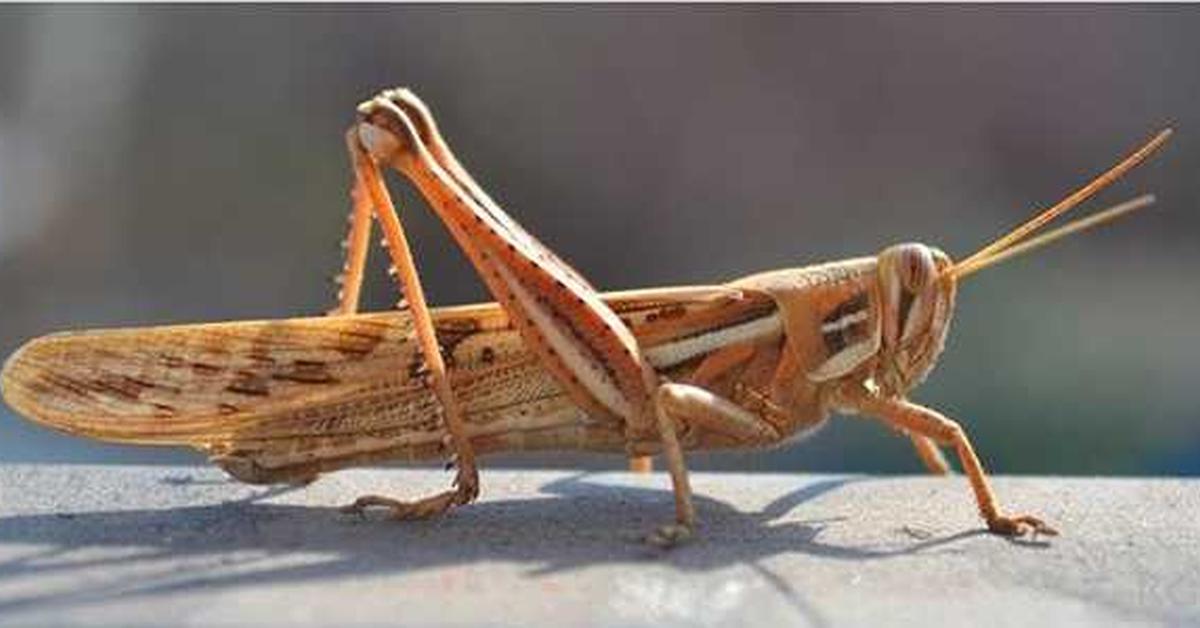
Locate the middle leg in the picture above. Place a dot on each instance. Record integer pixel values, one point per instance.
(709, 413)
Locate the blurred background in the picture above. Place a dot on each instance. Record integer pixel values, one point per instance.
(185, 164)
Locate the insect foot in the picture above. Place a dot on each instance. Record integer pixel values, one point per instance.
(669, 536)
(426, 508)
(466, 485)
(1019, 525)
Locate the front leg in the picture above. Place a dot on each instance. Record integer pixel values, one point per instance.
(707, 413)
(920, 421)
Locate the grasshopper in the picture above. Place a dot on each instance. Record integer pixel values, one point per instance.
(553, 364)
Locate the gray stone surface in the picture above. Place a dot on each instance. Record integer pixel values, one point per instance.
(92, 545)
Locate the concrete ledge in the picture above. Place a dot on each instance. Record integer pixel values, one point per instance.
(88, 545)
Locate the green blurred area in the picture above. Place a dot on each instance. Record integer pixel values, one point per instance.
(184, 163)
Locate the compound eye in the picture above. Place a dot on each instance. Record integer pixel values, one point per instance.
(917, 268)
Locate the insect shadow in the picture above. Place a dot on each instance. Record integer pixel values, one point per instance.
(575, 522)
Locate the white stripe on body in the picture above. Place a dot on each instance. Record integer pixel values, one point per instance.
(845, 321)
(679, 351)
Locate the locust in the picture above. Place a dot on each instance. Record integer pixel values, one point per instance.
(552, 364)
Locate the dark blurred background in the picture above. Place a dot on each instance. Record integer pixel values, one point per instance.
(184, 164)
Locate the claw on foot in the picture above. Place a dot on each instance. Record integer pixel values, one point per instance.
(1019, 525)
(669, 536)
(467, 485)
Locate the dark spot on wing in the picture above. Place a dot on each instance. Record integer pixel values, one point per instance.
(57, 383)
(202, 368)
(262, 358)
(357, 343)
(120, 386)
(172, 361)
(306, 372)
(247, 383)
(452, 333)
